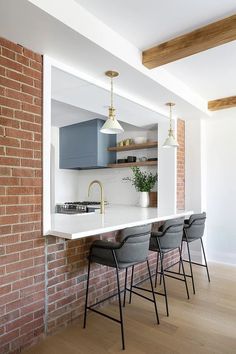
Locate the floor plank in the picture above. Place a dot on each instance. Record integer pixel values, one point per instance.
(205, 324)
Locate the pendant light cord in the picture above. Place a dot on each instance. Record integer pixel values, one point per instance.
(170, 118)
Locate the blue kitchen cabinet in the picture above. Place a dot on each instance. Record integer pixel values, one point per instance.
(83, 146)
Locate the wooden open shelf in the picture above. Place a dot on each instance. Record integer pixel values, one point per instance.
(148, 145)
(132, 164)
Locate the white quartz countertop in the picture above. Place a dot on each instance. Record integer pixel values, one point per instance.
(116, 217)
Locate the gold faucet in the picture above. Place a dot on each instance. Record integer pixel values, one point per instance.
(102, 206)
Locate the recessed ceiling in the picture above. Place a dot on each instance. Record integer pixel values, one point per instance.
(146, 23)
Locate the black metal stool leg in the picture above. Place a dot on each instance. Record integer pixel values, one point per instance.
(185, 278)
(87, 289)
(126, 274)
(154, 298)
(208, 275)
(131, 284)
(164, 283)
(119, 298)
(156, 275)
(191, 268)
(181, 250)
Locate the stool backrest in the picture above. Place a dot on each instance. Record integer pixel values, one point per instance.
(196, 225)
(172, 232)
(135, 244)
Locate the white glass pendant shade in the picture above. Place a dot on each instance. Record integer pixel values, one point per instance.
(111, 126)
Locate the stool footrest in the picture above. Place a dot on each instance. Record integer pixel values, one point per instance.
(104, 314)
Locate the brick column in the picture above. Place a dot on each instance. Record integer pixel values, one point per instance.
(22, 257)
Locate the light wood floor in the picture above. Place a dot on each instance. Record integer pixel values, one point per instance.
(204, 324)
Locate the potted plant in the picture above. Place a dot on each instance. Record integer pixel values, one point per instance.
(143, 182)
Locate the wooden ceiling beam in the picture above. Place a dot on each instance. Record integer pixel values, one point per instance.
(212, 35)
(222, 103)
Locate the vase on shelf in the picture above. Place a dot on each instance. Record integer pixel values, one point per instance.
(143, 199)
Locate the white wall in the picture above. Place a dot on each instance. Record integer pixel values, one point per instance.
(64, 183)
(221, 187)
(211, 182)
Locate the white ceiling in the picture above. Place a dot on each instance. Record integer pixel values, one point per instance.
(212, 73)
(75, 100)
(146, 23)
(71, 35)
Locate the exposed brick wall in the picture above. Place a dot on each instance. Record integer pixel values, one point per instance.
(21, 244)
(181, 164)
(36, 297)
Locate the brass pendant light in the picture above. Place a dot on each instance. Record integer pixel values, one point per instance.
(111, 126)
(170, 140)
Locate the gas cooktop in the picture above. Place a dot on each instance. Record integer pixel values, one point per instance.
(76, 207)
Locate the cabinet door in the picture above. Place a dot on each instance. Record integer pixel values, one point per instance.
(78, 145)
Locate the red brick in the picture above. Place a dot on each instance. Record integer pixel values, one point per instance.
(9, 337)
(31, 163)
(5, 171)
(19, 209)
(20, 190)
(31, 55)
(7, 240)
(31, 127)
(19, 152)
(6, 299)
(19, 77)
(22, 59)
(31, 181)
(10, 45)
(9, 219)
(10, 123)
(30, 199)
(9, 181)
(7, 63)
(9, 141)
(2, 71)
(31, 90)
(31, 108)
(9, 102)
(8, 53)
(7, 112)
(19, 322)
(24, 116)
(23, 283)
(35, 74)
(4, 230)
(19, 265)
(19, 96)
(30, 145)
(15, 133)
(22, 172)
(18, 247)
(33, 253)
(10, 83)
(36, 65)
(23, 227)
(9, 161)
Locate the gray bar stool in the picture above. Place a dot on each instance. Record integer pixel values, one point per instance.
(194, 230)
(130, 250)
(166, 239)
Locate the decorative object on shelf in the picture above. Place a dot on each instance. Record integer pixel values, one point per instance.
(140, 140)
(143, 183)
(143, 158)
(131, 158)
(153, 199)
(111, 126)
(132, 146)
(170, 140)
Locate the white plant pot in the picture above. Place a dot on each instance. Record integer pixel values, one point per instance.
(143, 199)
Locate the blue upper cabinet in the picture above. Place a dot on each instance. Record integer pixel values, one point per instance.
(82, 146)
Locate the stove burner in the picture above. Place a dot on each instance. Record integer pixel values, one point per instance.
(82, 203)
